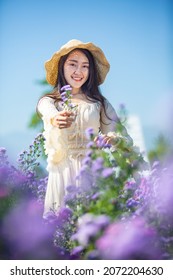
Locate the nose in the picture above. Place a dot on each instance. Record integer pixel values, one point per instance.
(78, 70)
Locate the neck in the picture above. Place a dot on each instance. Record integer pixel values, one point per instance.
(76, 91)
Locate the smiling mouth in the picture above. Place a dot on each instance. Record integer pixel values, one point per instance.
(77, 79)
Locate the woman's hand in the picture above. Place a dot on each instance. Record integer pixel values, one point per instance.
(108, 140)
(63, 119)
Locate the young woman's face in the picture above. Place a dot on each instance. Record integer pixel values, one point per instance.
(76, 69)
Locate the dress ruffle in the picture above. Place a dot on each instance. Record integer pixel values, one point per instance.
(55, 145)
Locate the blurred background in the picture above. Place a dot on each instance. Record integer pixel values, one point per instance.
(136, 37)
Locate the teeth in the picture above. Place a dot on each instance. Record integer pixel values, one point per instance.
(77, 79)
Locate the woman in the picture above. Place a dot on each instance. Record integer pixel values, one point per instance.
(84, 67)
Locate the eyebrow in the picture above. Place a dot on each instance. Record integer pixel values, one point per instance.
(73, 60)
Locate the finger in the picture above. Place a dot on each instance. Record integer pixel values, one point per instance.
(100, 137)
(69, 114)
(107, 140)
(68, 120)
(66, 113)
(64, 118)
(60, 123)
(60, 118)
(61, 126)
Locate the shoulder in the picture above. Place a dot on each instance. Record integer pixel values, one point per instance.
(107, 102)
(109, 111)
(108, 106)
(46, 101)
(47, 106)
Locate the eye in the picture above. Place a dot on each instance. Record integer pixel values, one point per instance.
(72, 64)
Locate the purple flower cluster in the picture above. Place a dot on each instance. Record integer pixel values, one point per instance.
(24, 233)
(131, 239)
(101, 143)
(71, 197)
(3, 157)
(89, 186)
(22, 180)
(157, 192)
(89, 226)
(139, 192)
(117, 210)
(64, 230)
(95, 141)
(41, 185)
(28, 160)
(89, 132)
(94, 167)
(11, 179)
(66, 98)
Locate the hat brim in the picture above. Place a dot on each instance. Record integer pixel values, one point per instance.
(101, 62)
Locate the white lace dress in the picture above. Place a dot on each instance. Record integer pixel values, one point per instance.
(65, 148)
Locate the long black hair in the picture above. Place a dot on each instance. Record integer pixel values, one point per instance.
(90, 88)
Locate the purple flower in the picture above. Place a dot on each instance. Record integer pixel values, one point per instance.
(97, 164)
(3, 157)
(86, 160)
(66, 98)
(72, 189)
(155, 164)
(88, 153)
(107, 172)
(122, 106)
(89, 226)
(25, 231)
(70, 197)
(92, 255)
(81, 171)
(63, 93)
(102, 221)
(131, 203)
(131, 239)
(162, 195)
(85, 179)
(2, 150)
(66, 87)
(89, 132)
(95, 196)
(90, 144)
(77, 250)
(65, 213)
(4, 192)
(130, 184)
(101, 143)
(84, 234)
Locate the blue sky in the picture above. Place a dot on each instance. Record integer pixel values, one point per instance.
(134, 34)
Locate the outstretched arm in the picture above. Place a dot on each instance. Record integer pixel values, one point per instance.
(50, 114)
(112, 129)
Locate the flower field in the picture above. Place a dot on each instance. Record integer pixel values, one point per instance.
(120, 208)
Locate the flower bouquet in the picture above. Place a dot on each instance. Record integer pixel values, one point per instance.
(66, 99)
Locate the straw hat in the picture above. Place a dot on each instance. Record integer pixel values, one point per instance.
(101, 62)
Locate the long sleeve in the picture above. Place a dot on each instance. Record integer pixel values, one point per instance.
(111, 126)
(55, 139)
(46, 108)
(108, 124)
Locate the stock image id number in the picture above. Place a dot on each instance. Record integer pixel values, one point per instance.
(123, 270)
